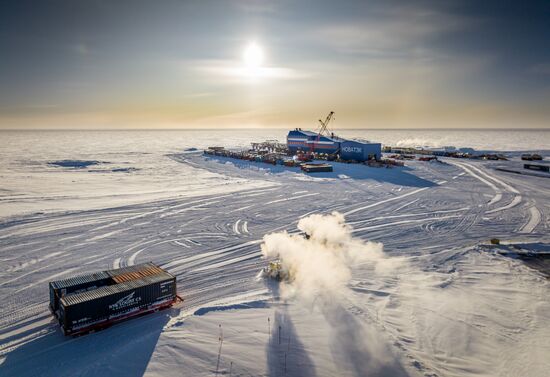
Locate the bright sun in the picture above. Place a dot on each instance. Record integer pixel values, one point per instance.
(253, 56)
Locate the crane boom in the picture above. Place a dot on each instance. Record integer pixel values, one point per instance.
(323, 129)
(324, 124)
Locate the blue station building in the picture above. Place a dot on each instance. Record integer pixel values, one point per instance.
(360, 150)
(300, 140)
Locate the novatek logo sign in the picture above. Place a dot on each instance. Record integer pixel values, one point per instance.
(352, 149)
(125, 302)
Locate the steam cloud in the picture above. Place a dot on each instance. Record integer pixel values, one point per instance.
(321, 265)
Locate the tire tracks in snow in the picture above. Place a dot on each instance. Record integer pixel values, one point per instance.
(384, 225)
(486, 178)
(533, 222)
(384, 201)
(236, 226)
(240, 229)
(466, 167)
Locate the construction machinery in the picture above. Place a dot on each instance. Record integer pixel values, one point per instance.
(323, 129)
(275, 270)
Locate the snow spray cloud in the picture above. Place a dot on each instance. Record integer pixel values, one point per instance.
(320, 267)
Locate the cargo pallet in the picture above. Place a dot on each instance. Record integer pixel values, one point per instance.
(316, 168)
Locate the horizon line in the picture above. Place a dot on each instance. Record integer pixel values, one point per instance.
(281, 128)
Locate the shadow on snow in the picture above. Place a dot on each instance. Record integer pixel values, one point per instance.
(286, 354)
(358, 348)
(396, 175)
(121, 350)
(246, 305)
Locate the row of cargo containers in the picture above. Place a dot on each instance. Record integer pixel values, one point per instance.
(531, 157)
(96, 280)
(115, 295)
(277, 159)
(265, 158)
(116, 303)
(292, 163)
(409, 154)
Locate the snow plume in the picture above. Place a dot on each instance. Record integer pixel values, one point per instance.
(320, 265)
(320, 269)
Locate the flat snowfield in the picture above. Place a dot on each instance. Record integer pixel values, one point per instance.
(437, 301)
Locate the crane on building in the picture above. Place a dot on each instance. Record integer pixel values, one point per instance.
(324, 125)
(309, 155)
(323, 129)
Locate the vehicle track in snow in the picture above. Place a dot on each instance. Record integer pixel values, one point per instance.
(534, 220)
(492, 182)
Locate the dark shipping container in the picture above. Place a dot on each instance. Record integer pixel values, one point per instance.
(537, 167)
(77, 284)
(84, 283)
(150, 289)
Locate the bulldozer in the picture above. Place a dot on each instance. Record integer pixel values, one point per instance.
(275, 270)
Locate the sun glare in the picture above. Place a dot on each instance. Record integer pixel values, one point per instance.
(253, 56)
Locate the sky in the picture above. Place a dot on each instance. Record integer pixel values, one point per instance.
(114, 64)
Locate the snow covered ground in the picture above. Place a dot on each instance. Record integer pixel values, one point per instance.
(445, 304)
